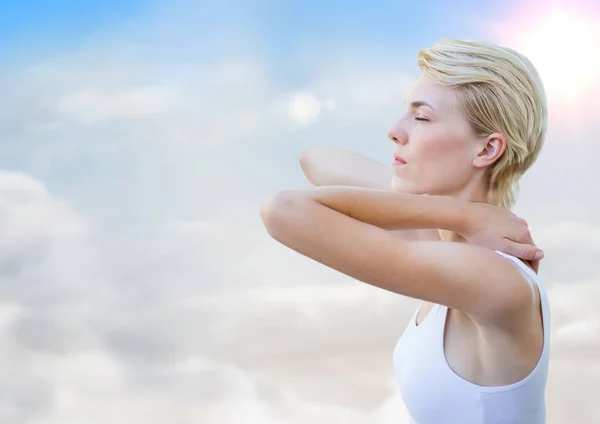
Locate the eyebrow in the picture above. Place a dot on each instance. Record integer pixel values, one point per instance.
(419, 103)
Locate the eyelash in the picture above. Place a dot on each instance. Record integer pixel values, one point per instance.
(420, 119)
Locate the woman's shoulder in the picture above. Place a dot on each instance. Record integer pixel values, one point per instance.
(525, 266)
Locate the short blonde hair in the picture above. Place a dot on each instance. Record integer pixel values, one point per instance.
(500, 91)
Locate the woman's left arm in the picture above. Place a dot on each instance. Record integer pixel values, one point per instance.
(346, 228)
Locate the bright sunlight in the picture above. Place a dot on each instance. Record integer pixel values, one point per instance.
(565, 48)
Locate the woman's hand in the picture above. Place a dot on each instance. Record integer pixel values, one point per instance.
(500, 229)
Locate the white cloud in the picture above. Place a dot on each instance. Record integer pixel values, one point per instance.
(569, 235)
(191, 227)
(179, 305)
(29, 212)
(368, 90)
(99, 104)
(581, 330)
(8, 313)
(244, 405)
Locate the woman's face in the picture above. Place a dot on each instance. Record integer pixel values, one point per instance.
(435, 144)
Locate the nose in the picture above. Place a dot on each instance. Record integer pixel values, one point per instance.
(397, 134)
(392, 136)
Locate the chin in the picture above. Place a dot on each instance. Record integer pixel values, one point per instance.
(402, 186)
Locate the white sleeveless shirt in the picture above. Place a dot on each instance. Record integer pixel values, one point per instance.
(434, 394)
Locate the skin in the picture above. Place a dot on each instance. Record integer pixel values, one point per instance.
(444, 155)
(441, 187)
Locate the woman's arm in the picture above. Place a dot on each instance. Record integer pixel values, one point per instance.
(345, 228)
(325, 167)
(329, 167)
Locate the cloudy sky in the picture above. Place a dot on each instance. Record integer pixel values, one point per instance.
(138, 139)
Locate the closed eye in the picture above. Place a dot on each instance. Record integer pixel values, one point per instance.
(420, 118)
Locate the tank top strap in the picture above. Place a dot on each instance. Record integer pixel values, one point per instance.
(530, 272)
(441, 313)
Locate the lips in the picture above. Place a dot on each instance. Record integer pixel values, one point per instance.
(399, 159)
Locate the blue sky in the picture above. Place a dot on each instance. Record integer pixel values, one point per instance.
(41, 24)
(122, 44)
(278, 26)
(289, 45)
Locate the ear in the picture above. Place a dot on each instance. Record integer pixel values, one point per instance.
(490, 149)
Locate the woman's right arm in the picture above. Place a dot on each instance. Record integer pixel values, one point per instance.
(324, 167)
(328, 167)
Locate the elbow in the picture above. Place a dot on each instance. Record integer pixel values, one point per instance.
(267, 212)
(305, 160)
(276, 212)
(306, 157)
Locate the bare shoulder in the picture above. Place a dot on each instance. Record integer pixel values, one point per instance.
(482, 284)
(527, 320)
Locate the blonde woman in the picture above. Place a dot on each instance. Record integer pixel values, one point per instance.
(476, 350)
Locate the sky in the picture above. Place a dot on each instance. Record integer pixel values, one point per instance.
(138, 140)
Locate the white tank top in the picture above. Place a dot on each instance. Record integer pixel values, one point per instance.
(434, 394)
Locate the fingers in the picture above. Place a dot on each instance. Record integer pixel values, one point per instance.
(527, 252)
(525, 248)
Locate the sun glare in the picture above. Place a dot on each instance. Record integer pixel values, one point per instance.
(565, 49)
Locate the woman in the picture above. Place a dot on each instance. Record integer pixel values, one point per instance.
(476, 351)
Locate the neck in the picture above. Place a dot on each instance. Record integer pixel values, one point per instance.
(475, 192)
